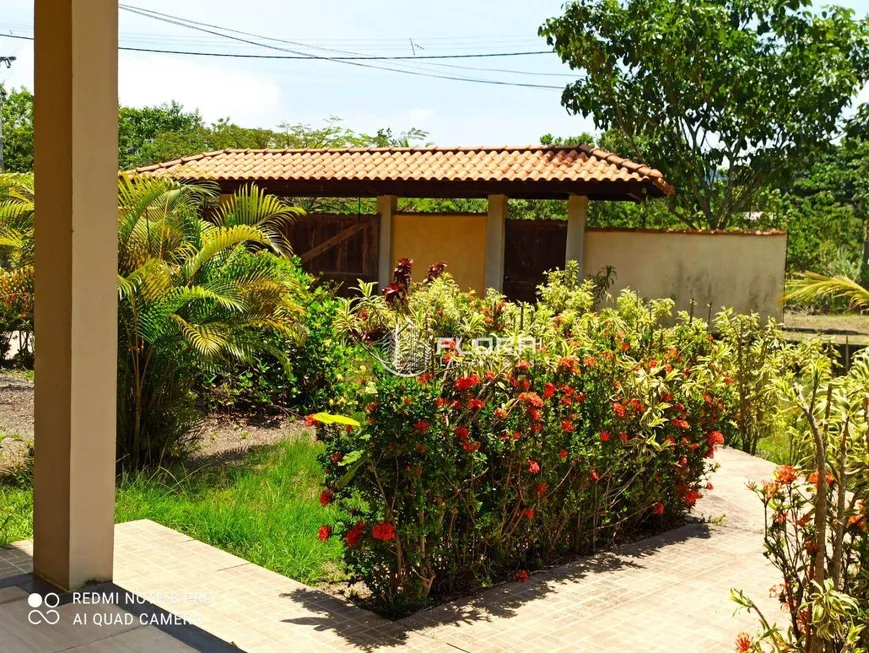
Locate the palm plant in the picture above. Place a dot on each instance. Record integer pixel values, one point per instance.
(194, 291)
(199, 283)
(810, 286)
(16, 257)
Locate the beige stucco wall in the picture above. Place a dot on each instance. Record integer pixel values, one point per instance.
(458, 239)
(740, 270)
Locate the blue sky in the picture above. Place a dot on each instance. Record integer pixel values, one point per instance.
(265, 93)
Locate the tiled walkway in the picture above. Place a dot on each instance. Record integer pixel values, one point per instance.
(668, 593)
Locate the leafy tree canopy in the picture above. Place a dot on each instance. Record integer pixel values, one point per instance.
(16, 111)
(723, 96)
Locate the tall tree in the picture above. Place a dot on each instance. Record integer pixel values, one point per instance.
(723, 96)
(17, 116)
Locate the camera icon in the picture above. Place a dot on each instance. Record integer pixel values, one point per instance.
(43, 608)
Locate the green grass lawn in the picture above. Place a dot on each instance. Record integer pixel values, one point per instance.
(263, 508)
(776, 448)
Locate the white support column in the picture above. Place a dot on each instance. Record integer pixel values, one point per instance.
(76, 140)
(577, 209)
(495, 224)
(387, 205)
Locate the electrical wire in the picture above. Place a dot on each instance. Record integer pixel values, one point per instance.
(210, 29)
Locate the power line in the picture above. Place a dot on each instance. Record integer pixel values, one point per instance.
(355, 61)
(238, 55)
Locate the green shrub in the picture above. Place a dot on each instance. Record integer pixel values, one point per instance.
(310, 369)
(817, 515)
(488, 463)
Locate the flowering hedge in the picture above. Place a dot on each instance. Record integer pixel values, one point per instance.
(492, 463)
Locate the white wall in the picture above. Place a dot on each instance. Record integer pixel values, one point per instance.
(744, 271)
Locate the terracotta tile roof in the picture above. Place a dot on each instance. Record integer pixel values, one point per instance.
(563, 169)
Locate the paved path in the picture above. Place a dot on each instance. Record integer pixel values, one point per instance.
(667, 593)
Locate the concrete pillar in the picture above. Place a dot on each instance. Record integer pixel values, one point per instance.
(495, 225)
(387, 205)
(577, 209)
(76, 141)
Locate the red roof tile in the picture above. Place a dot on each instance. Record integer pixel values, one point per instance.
(545, 169)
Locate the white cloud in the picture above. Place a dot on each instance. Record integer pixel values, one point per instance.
(218, 90)
(418, 117)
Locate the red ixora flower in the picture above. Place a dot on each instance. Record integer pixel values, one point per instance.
(541, 490)
(658, 508)
(595, 476)
(531, 398)
(422, 426)
(336, 457)
(680, 424)
(785, 474)
(383, 532)
(563, 454)
(324, 533)
(471, 446)
(619, 410)
(355, 534)
(715, 438)
(520, 576)
(567, 426)
(467, 382)
(326, 497)
(743, 642)
(529, 513)
(813, 479)
(476, 404)
(461, 433)
(533, 467)
(691, 497)
(548, 390)
(500, 413)
(604, 436)
(309, 420)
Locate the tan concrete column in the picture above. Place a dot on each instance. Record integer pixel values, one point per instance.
(387, 205)
(76, 141)
(495, 226)
(577, 209)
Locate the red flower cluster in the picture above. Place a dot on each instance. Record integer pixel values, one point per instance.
(813, 479)
(355, 534)
(531, 398)
(541, 490)
(520, 576)
(324, 533)
(467, 382)
(326, 497)
(785, 474)
(533, 467)
(658, 508)
(383, 532)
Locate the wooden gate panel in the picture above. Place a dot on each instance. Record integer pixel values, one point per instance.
(531, 247)
(339, 248)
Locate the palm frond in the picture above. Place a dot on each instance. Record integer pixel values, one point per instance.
(810, 286)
